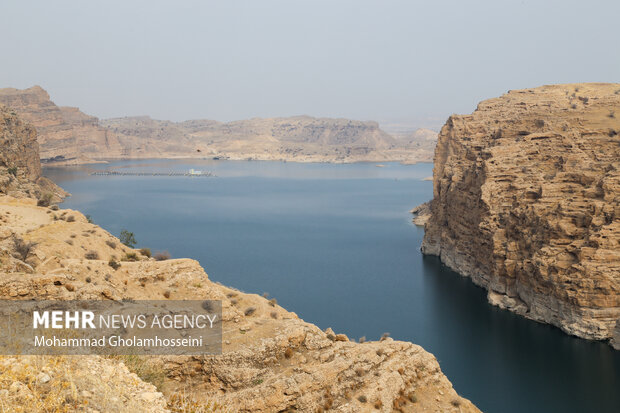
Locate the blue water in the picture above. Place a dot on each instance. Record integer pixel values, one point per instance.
(335, 244)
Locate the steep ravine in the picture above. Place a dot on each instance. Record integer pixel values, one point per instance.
(527, 204)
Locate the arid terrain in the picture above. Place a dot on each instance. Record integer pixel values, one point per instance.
(68, 136)
(527, 204)
(272, 360)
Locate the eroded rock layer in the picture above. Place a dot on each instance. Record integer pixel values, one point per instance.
(20, 168)
(527, 204)
(65, 134)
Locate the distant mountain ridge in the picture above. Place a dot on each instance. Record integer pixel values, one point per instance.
(66, 135)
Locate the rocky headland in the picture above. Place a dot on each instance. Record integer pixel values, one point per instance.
(68, 136)
(527, 203)
(272, 360)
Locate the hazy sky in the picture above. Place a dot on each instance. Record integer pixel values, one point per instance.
(406, 61)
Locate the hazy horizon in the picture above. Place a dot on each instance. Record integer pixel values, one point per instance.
(394, 62)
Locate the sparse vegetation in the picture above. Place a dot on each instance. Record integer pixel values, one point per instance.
(127, 238)
(89, 219)
(146, 252)
(455, 402)
(143, 368)
(539, 123)
(362, 339)
(249, 311)
(130, 256)
(167, 293)
(288, 353)
(13, 170)
(362, 399)
(91, 255)
(45, 199)
(182, 402)
(114, 264)
(111, 244)
(162, 256)
(22, 248)
(384, 336)
(70, 218)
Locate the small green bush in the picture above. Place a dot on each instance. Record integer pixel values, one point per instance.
(45, 199)
(128, 238)
(130, 256)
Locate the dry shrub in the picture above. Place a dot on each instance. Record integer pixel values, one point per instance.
(22, 248)
(91, 255)
(162, 256)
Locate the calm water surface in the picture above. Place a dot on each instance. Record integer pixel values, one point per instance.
(335, 244)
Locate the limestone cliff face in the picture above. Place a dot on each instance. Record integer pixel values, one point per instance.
(20, 168)
(20, 149)
(64, 133)
(527, 204)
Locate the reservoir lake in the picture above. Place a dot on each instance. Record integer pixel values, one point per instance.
(335, 244)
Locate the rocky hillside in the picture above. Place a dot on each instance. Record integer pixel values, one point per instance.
(301, 138)
(67, 135)
(272, 360)
(20, 169)
(527, 204)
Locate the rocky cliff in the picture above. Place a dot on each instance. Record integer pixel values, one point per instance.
(20, 169)
(67, 135)
(527, 204)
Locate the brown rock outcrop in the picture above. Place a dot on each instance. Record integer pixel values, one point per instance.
(65, 134)
(20, 169)
(527, 204)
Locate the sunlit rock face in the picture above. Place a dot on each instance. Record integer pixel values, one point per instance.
(527, 204)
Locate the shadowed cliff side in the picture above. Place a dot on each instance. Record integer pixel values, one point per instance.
(527, 204)
(20, 169)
